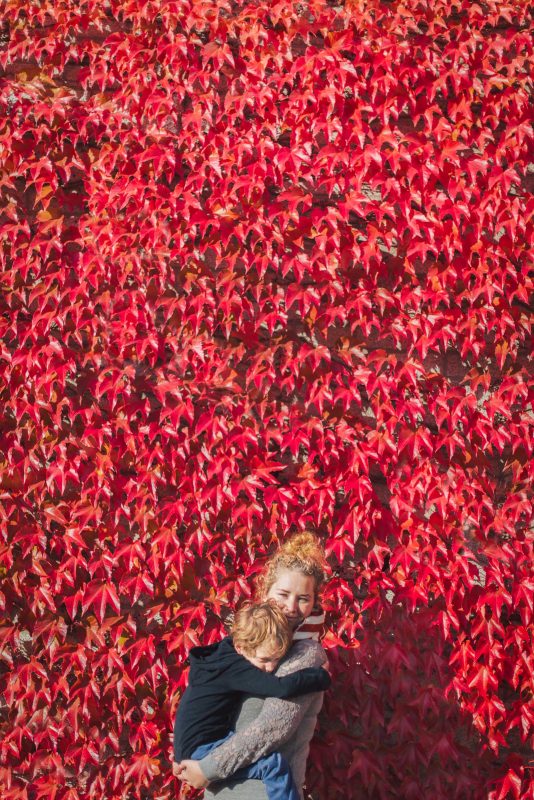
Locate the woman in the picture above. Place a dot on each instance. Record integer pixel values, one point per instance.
(293, 578)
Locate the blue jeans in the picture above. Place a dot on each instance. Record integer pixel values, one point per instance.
(273, 770)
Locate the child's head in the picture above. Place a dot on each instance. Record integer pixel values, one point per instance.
(261, 634)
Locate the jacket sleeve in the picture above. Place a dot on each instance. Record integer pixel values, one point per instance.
(275, 724)
(245, 677)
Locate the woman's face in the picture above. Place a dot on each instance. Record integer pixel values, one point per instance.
(294, 593)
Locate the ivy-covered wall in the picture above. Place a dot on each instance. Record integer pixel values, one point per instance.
(264, 268)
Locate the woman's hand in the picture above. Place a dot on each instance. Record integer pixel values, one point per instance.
(190, 772)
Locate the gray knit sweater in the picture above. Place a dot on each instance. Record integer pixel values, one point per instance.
(267, 725)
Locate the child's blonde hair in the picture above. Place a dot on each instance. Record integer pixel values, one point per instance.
(303, 553)
(257, 624)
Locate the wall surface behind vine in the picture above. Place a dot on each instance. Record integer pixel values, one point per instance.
(264, 268)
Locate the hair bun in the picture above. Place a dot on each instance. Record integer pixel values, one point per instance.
(305, 546)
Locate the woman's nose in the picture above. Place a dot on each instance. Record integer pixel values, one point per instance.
(291, 604)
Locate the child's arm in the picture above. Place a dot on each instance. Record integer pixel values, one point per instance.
(245, 677)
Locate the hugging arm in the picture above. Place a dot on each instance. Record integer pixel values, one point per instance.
(249, 679)
(277, 721)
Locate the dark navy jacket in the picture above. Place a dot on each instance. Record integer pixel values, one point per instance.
(218, 679)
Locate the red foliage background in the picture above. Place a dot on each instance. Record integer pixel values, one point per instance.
(264, 267)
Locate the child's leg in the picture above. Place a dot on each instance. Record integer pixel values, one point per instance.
(203, 749)
(275, 773)
(273, 770)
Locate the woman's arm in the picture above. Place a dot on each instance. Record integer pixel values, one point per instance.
(277, 721)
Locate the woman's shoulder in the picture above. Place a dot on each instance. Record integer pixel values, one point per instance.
(303, 653)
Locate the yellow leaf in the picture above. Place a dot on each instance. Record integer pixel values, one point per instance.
(43, 193)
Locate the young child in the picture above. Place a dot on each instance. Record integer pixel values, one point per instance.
(223, 672)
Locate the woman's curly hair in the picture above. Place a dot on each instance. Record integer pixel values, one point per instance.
(303, 553)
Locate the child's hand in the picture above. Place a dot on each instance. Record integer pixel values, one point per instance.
(191, 773)
(177, 769)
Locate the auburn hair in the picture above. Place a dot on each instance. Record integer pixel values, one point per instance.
(303, 553)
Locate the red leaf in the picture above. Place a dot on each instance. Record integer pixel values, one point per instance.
(98, 595)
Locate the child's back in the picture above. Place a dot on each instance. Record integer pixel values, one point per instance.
(208, 708)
